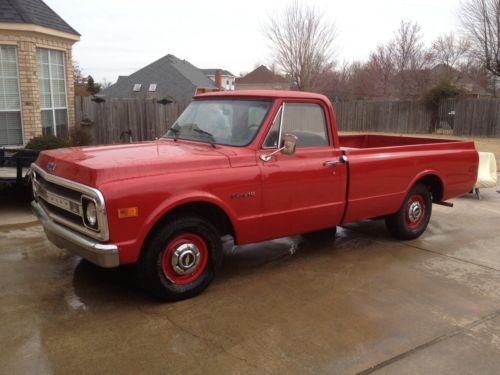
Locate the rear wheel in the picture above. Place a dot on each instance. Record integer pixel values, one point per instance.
(180, 259)
(413, 217)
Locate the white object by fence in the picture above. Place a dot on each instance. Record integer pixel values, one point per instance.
(487, 173)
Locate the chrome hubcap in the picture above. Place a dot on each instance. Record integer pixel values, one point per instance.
(185, 258)
(414, 212)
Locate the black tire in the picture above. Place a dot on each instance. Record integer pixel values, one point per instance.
(409, 223)
(175, 242)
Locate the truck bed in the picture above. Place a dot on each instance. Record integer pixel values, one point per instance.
(382, 168)
(362, 141)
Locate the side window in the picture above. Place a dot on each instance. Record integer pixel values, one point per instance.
(273, 135)
(307, 122)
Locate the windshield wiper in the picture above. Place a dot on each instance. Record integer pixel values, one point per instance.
(207, 134)
(174, 130)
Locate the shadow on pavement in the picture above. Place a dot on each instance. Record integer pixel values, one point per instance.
(94, 285)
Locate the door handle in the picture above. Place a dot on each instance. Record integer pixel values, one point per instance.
(331, 163)
(341, 159)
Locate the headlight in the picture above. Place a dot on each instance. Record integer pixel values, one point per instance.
(90, 213)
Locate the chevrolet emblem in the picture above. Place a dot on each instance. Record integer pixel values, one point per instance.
(51, 166)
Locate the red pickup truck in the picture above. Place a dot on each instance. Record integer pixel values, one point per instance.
(256, 165)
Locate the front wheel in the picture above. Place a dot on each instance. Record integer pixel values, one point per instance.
(413, 217)
(180, 259)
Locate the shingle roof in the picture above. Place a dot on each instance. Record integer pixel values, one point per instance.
(261, 75)
(35, 12)
(211, 72)
(173, 77)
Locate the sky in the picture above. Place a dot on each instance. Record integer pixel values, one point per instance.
(118, 37)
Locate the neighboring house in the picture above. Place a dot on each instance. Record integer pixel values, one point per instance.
(472, 88)
(36, 72)
(262, 79)
(168, 77)
(222, 78)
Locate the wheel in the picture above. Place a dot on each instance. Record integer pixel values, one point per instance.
(413, 217)
(181, 258)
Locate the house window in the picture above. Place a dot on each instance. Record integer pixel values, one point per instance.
(137, 87)
(152, 87)
(52, 83)
(10, 108)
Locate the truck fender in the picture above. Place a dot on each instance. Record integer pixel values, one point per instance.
(423, 174)
(176, 201)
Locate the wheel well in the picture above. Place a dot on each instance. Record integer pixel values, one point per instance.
(212, 213)
(435, 186)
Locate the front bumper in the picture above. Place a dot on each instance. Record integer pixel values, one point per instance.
(104, 255)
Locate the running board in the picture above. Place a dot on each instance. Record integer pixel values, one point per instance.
(443, 203)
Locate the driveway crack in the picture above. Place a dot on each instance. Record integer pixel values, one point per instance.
(427, 344)
(221, 348)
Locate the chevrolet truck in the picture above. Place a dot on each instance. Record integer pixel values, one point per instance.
(256, 165)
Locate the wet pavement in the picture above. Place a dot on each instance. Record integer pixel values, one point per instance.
(358, 303)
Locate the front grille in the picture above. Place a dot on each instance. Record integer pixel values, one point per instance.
(61, 199)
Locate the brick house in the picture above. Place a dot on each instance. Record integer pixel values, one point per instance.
(262, 79)
(36, 72)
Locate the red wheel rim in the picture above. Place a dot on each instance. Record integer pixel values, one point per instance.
(185, 258)
(415, 211)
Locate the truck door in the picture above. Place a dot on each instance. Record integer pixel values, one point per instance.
(304, 192)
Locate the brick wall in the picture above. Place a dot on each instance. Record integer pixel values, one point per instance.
(27, 43)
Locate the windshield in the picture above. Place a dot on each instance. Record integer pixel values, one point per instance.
(227, 122)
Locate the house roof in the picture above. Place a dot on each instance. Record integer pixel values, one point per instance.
(173, 77)
(211, 72)
(261, 75)
(33, 12)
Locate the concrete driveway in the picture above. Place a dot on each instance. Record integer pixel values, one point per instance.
(358, 304)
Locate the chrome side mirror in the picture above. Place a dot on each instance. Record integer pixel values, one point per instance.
(289, 145)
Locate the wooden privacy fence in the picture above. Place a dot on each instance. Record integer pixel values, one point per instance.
(477, 117)
(383, 116)
(124, 120)
(462, 117)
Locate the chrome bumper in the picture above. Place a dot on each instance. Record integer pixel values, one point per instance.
(104, 255)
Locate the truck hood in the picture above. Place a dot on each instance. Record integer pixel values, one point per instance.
(94, 166)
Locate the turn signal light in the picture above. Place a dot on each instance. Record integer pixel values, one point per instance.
(123, 213)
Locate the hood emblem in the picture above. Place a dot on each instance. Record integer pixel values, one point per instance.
(51, 166)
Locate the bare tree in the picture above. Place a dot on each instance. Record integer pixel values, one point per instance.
(382, 65)
(302, 41)
(408, 49)
(335, 82)
(78, 77)
(104, 84)
(481, 23)
(410, 59)
(450, 51)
